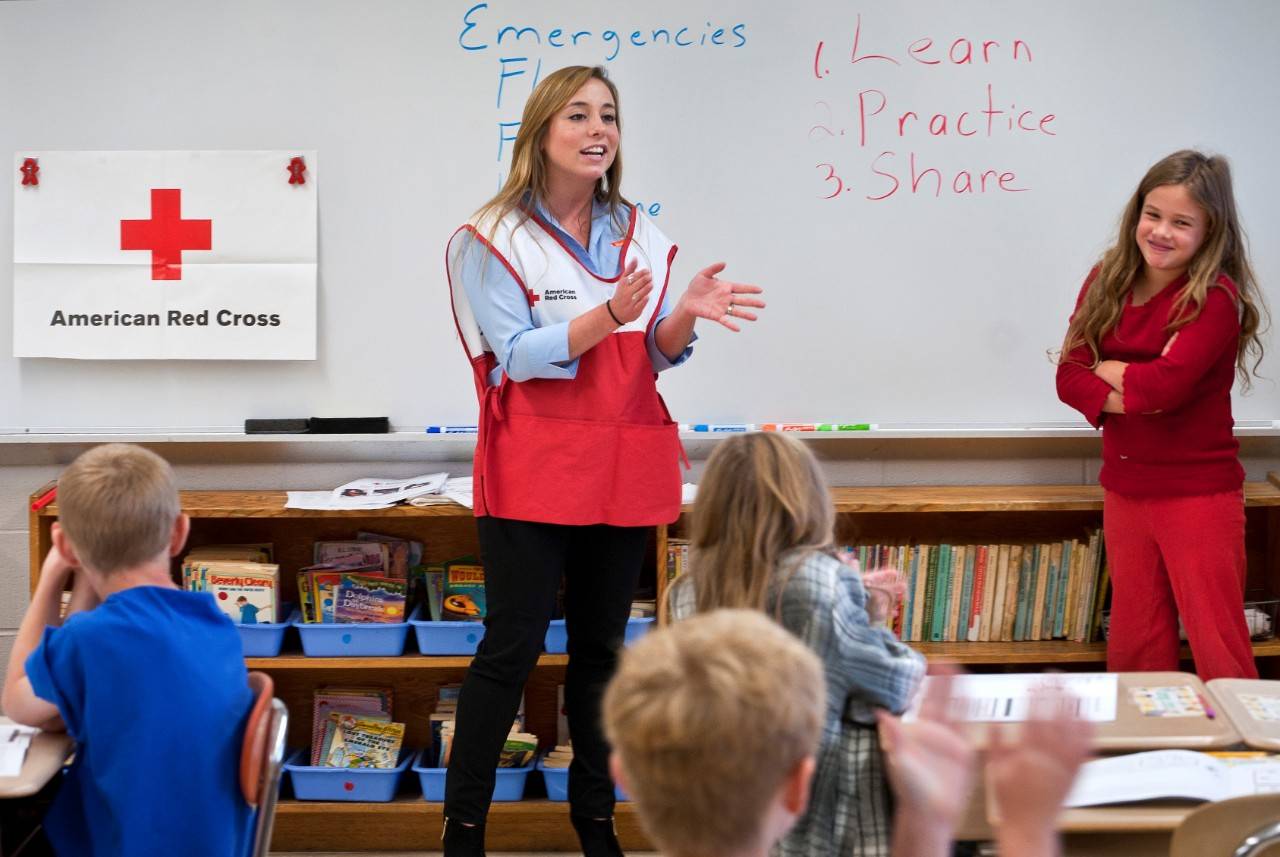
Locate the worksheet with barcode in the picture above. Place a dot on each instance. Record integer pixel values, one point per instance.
(1007, 698)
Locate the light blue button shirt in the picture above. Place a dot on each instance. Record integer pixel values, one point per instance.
(502, 310)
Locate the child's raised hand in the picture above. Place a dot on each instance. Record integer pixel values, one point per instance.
(930, 760)
(885, 590)
(1030, 777)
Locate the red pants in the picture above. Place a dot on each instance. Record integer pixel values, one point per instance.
(1178, 556)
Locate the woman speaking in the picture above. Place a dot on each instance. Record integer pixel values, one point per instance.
(559, 290)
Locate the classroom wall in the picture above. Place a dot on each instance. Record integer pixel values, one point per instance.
(25, 467)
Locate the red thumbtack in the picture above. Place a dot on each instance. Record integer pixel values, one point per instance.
(29, 172)
(296, 169)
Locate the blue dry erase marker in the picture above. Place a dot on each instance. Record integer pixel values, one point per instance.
(453, 429)
(721, 428)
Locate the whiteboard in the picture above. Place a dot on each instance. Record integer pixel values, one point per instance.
(918, 307)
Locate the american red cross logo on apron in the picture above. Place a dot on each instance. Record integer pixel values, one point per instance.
(166, 234)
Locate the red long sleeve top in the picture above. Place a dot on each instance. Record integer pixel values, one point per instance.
(1175, 437)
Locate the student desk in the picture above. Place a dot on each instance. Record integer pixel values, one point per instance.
(45, 757)
(1133, 831)
(20, 809)
(1131, 731)
(1258, 734)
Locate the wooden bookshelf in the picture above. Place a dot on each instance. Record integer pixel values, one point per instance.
(999, 513)
(977, 513)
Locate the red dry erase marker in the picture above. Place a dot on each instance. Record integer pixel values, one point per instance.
(45, 499)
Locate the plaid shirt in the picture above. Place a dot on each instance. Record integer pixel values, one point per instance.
(824, 604)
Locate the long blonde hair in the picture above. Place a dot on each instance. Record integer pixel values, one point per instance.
(1224, 251)
(761, 496)
(528, 177)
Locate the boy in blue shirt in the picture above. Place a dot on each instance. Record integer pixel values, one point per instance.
(149, 679)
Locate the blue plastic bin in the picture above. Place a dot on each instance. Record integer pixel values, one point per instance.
(508, 786)
(354, 784)
(264, 639)
(557, 640)
(333, 639)
(447, 637)
(557, 781)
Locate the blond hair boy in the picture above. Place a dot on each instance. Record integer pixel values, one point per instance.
(714, 724)
(149, 679)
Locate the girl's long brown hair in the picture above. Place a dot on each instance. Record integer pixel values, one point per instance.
(528, 176)
(761, 495)
(1224, 251)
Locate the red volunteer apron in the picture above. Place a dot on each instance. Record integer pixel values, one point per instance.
(600, 448)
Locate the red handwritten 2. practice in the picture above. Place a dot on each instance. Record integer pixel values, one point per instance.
(869, 135)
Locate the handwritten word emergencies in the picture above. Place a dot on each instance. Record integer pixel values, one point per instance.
(877, 141)
(480, 32)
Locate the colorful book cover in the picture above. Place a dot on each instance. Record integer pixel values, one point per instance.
(930, 593)
(988, 594)
(463, 591)
(997, 601)
(518, 750)
(353, 555)
(374, 702)
(1026, 591)
(955, 584)
(1012, 578)
(361, 742)
(306, 598)
(246, 591)
(1064, 573)
(402, 554)
(921, 598)
(942, 597)
(909, 597)
(966, 595)
(1073, 583)
(324, 592)
(1051, 590)
(370, 598)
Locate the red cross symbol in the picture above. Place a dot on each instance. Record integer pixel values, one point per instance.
(532, 296)
(29, 171)
(166, 234)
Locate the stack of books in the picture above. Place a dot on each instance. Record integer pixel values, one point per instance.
(352, 728)
(243, 580)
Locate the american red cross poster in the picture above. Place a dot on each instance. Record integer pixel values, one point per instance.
(165, 255)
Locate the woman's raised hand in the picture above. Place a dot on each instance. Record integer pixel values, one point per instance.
(631, 294)
(719, 300)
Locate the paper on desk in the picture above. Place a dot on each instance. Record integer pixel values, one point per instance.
(1006, 698)
(1172, 774)
(14, 741)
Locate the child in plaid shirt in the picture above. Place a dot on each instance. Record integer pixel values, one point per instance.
(763, 538)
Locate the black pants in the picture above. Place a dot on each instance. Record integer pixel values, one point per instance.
(523, 565)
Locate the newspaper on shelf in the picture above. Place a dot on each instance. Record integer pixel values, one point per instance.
(368, 493)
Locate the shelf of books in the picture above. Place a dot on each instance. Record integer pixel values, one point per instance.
(1010, 575)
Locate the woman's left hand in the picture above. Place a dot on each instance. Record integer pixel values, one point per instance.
(720, 300)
